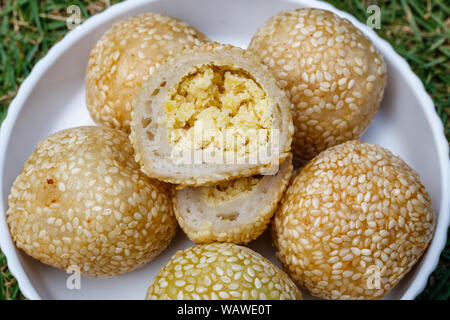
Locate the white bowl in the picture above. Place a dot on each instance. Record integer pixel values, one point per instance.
(52, 98)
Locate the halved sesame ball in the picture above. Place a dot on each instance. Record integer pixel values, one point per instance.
(208, 115)
(82, 201)
(125, 56)
(353, 222)
(332, 73)
(236, 211)
(221, 271)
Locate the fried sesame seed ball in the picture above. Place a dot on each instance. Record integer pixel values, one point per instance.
(333, 74)
(353, 222)
(221, 271)
(125, 56)
(208, 115)
(82, 201)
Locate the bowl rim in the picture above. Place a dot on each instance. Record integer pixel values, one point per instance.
(440, 234)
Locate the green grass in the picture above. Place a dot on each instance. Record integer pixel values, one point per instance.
(417, 29)
(9, 290)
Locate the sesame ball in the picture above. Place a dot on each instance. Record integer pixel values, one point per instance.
(125, 56)
(82, 201)
(221, 271)
(333, 75)
(353, 222)
(209, 115)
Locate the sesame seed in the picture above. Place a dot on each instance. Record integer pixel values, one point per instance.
(77, 222)
(146, 36)
(262, 279)
(304, 63)
(360, 193)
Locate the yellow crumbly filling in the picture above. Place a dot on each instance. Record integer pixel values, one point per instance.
(218, 109)
(229, 190)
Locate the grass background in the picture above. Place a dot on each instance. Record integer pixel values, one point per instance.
(419, 30)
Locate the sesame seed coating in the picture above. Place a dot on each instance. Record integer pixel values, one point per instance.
(333, 75)
(353, 222)
(82, 201)
(127, 55)
(221, 271)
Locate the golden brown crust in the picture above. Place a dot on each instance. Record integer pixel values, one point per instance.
(333, 75)
(149, 100)
(125, 57)
(221, 271)
(81, 201)
(353, 222)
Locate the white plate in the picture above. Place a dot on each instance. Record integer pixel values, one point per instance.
(52, 98)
